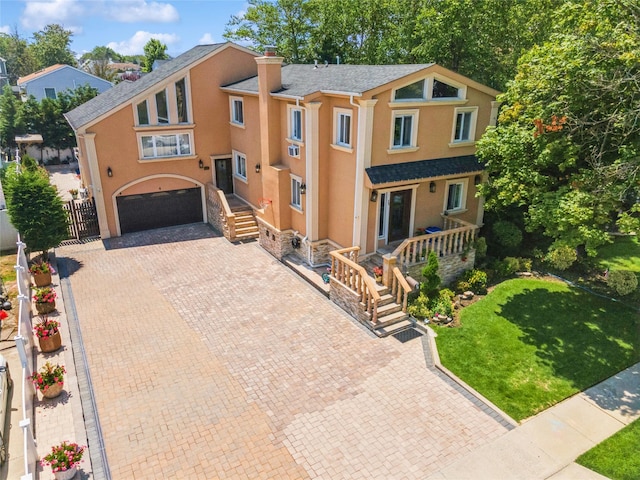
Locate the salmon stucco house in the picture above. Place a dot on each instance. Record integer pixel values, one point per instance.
(324, 162)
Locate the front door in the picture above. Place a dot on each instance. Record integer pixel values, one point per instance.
(224, 175)
(399, 215)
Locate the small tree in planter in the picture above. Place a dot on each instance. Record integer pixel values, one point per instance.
(35, 209)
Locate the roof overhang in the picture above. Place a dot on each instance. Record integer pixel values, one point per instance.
(402, 173)
(29, 139)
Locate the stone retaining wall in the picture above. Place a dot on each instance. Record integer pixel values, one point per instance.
(347, 299)
(449, 267)
(215, 216)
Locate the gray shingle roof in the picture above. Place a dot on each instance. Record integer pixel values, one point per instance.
(440, 167)
(125, 91)
(302, 80)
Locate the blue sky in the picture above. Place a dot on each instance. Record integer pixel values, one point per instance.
(124, 25)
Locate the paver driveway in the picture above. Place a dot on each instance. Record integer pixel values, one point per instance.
(213, 360)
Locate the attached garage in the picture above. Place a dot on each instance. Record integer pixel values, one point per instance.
(159, 209)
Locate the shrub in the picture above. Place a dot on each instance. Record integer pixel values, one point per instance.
(507, 234)
(622, 281)
(526, 264)
(430, 274)
(481, 248)
(562, 257)
(443, 304)
(474, 280)
(419, 308)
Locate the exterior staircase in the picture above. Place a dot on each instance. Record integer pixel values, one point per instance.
(246, 225)
(391, 318)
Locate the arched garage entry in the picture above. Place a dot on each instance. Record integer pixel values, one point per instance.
(159, 201)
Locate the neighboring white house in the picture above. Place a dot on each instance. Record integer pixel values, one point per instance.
(53, 80)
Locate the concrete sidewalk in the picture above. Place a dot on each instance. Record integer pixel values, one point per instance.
(546, 445)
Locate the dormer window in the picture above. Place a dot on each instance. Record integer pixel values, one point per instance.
(413, 92)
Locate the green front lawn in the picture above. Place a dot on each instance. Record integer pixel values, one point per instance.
(622, 254)
(531, 343)
(617, 457)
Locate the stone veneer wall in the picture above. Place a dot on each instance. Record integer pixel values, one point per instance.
(214, 209)
(346, 299)
(274, 241)
(449, 267)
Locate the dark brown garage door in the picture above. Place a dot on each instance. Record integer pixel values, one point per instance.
(161, 209)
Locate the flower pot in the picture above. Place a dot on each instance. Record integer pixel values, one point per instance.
(45, 307)
(53, 391)
(67, 474)
(50, 344)
(42, 279)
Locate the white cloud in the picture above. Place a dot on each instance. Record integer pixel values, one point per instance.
(5, 29)
(206, 39)
(37, 15)
(140, 10)
(135, 45)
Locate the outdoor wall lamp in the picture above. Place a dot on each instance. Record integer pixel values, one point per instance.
(432, 187)
(477, 180)
(109, 172)
(258, 167)
(374, 195)
(200, 163)
(303, 188)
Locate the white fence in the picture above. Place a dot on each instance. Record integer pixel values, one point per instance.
(25, 344)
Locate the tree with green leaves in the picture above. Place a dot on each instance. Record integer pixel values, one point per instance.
(10, 121)
(35, 208)
(51, 46)
(284, 24)
(566, 151)
(153, 50)
(19, 57)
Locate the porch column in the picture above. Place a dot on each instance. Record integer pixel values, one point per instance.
(96, 183)
(363, 160)
(312, 168)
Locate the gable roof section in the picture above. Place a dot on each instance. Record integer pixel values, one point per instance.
(122, 93)
(440, 167)
(40, 73)
(302, 80)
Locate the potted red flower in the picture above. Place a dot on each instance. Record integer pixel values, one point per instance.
(49, 380)
(48, 334)
(41, 272)
(45, 299)
(64, 459)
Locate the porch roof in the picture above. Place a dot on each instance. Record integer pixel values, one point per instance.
(423, 169)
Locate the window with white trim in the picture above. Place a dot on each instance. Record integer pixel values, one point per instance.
(295, 124)
(413, 92)
(456, 195)
(296, 192)
(143, 113)
(441, 90)
(50, 92)
(181, 101)
(237, 110)
(240, 161)
(161, 107)
(465, 125)
(166, 145)
(343, 127)
(405, 129)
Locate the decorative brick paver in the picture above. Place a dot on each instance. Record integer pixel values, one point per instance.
(213, 360)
